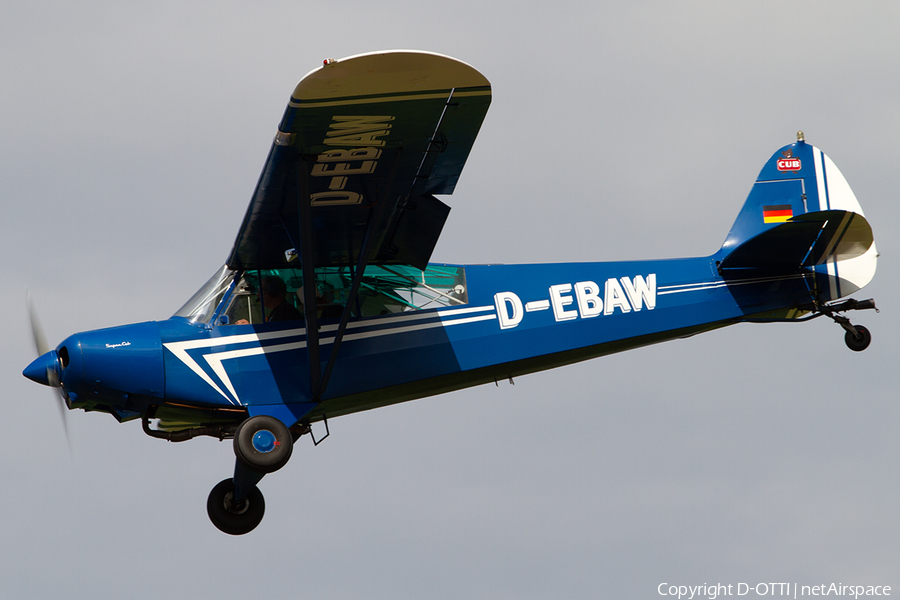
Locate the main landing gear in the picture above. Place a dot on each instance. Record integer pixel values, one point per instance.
(262, 445)
(856, 337)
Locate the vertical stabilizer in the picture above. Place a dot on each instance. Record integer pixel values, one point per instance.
(800, 186)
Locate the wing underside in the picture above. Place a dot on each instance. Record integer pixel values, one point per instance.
(366, 143)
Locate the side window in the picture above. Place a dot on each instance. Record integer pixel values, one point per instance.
(277, 294)
(265, 295)
(390, 289)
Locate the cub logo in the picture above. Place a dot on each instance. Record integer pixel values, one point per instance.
(788, 163)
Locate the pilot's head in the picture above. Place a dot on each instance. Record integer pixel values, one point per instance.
(272, 290)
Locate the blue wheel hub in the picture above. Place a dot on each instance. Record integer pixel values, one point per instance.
(264, 441)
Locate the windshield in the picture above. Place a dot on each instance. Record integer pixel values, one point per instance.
(202, 305)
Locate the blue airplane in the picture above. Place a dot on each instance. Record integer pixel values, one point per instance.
(328, 305)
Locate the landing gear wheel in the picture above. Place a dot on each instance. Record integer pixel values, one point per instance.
(231, 517)
(263, 443)
(860, 342)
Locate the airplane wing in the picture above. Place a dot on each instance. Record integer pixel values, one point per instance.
(363, 146)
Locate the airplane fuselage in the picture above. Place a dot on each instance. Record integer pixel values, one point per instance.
(518, 319)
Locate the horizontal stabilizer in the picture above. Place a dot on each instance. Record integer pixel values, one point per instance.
(803, 241)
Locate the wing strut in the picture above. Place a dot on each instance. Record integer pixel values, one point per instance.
(361, 263)
(307, 258)
(363, 258)
(317, 381)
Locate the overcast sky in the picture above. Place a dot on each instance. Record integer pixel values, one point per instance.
(131, 139)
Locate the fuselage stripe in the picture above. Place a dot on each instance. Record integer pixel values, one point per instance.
(215, 359)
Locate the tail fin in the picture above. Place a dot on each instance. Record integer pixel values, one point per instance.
(802, 216)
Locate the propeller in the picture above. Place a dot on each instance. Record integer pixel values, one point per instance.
(49, 365)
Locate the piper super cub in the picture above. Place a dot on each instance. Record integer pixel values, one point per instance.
(327, 304)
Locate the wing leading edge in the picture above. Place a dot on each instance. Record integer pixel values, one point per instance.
(364, 144)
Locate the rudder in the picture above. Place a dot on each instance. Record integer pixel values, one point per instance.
(801, 215)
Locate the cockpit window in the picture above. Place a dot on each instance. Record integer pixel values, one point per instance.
(385, 289)
(389, 289)
(202, 305)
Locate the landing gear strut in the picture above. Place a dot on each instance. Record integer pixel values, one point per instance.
(856, 337)
(262, 445)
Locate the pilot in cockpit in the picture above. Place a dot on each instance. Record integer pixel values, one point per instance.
(273, 294)
(274, 297)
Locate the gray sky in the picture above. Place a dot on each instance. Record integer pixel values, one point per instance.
(131, 138)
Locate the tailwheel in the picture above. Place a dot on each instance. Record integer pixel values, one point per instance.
(235, 517)
(860, 341)
(263, 444)
(856, 337)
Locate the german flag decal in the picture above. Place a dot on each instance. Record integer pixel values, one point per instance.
(778, 213)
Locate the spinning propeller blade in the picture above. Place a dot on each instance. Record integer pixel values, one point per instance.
(37, 332)
(51, 370)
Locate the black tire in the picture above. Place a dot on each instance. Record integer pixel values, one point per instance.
(230, 518)
(858, 343)
(258, 457)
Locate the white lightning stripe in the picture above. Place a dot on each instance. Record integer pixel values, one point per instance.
(767, 279)
(233, 339)
(381, 332)
(179, 349)
(820, 179)
(380, 321)
(686, 285)
(831, 269)
(694, 287)
(215, 359)
(405, 317)
(470, 320)
(712, 285)
(464, 311)
(825, 204)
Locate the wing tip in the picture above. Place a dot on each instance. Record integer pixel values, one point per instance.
(387, 71)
